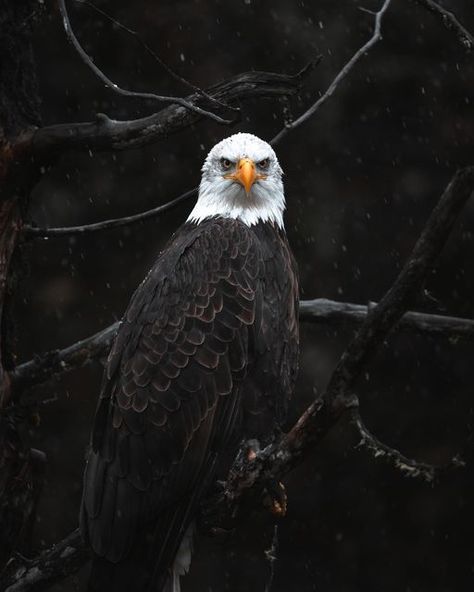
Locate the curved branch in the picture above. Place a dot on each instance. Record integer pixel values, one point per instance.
(450, 21)
(73, 40)
(154, 55)
(376, 36)
(35, 232)
(45, 143)
(408, 467)
(53, 363)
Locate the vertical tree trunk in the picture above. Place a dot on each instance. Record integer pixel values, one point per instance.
(21, 468)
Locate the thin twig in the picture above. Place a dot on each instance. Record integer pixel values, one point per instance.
(271, 555)
(376, 36)
(122, 91)
(450, 21)
(408, 467)
(36, 232)
(155, 56)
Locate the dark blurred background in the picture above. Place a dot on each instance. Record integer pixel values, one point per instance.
(361, 178)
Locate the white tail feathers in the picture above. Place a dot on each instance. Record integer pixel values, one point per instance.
(182, 561)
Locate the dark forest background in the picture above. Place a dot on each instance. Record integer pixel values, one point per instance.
(361, 179)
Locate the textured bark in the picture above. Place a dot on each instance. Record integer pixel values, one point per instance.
(21, 469)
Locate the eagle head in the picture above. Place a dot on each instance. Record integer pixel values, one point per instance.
(242, 179)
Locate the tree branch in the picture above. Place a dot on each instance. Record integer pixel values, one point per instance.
(154, 55)
(376, 36)
(332, 312)
(450, 21)
(408, 467)
(45, 143)
(53, 564)
(250, 473)
(35, 232)
(73, 40)
(276, 460)
(43, 368)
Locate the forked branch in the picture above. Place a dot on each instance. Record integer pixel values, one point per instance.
(376, 36)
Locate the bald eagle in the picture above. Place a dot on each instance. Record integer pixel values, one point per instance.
(205, 356)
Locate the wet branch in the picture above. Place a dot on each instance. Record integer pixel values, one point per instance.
(73, 40)
(450, 21)
(250, 473)
(376, 36)
(276, 460)
(36, 232)
(321, 311)
(55, 563)
(154, 55)
(45, 143)
(408, 467)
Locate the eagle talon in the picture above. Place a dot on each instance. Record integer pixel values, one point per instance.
(275, 498)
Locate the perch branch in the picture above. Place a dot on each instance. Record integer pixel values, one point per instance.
(35, 232)
(277, 459)
(408, 467)
(73, 40)
(450, 21)
(251, 472)
(376, 36)
(43, 368)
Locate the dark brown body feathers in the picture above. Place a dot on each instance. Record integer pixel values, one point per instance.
(206, 355)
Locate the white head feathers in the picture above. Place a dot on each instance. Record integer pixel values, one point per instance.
(241, 178)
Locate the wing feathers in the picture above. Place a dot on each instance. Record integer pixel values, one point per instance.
(172, 389)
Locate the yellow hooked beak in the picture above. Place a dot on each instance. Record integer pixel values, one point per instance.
(245, 174)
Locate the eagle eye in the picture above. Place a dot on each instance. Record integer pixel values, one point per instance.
(225, 163)
(263, 164)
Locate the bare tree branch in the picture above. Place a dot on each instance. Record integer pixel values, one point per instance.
(71, 37)
(331, 312)
(43, 144)
(34, 232)
(408, 467)
(272, 555)
(44, 367)
(376, 36)
(450, 21)
(53, 564)
(276, 460)
(155, 56)
(250, 473)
